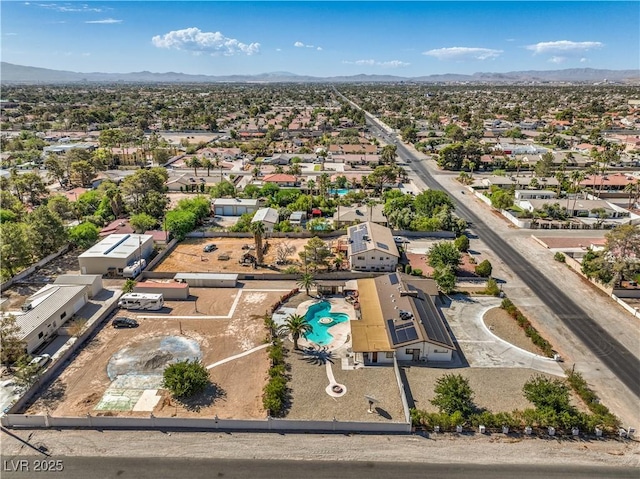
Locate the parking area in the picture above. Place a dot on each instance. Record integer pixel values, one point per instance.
(189, 254)
(119, 371)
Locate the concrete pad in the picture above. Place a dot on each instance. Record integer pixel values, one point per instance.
(147, 401)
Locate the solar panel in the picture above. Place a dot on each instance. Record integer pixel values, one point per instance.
(382, 245)
(393, 278)
(357, 237)
(402, 332)
(431, 320)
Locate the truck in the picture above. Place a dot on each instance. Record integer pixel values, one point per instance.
(148, 301)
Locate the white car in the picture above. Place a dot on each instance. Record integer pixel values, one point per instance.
(399, 239)
(40, 361)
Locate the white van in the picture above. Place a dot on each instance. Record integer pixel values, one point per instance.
(149, 301)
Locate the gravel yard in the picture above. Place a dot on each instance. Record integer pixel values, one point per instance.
(310, 401)
(496, 389)
(505, 327)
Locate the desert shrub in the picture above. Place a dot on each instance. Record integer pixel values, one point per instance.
(559, 257)
(492, 287)
(484, 269)
(185, 378)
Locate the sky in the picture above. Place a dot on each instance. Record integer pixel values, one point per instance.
(322, 38)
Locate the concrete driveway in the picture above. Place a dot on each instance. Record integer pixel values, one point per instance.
(483, 349)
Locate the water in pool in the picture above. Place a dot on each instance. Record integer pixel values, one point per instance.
(320, 333)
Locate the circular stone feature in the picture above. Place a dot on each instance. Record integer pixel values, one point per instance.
(325, 320)
(337, 388)
(152, 356)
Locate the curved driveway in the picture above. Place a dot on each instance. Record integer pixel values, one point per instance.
(483, 349)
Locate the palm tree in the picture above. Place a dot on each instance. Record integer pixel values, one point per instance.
(296, 325)
(311, 186)
(306, 282)
(257, 228)
(206, 163)
(194, 163)
(633, 189)
(388, 154)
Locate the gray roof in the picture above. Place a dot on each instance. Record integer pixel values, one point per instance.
(360, 213)
(45, 303)
(268, 215)
(371, 236)
(411, 315)
(235, 201)
(117, 246)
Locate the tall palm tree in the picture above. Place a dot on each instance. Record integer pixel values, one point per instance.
(389, 154)
(296, 325)
(306, 281)
(206, 163)
(257, 228)
(633, 189)
(194, 163)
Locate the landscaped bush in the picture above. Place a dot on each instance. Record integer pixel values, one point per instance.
(417, 272)
(484, 269)
(559, 257)
(492, 287)
(529, 330)
(407, 269)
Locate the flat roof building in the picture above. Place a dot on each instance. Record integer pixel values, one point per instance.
(114, 253)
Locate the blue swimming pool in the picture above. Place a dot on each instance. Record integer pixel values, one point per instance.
(318, 315)
(339, 191)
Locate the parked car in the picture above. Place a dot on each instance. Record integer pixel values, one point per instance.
(40, 361)
(125, 323)
(400, 239)
(209, 248)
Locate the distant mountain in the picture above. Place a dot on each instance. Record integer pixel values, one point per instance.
(11, 73)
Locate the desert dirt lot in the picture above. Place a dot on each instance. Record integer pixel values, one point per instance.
(238, 383)
(188, 255)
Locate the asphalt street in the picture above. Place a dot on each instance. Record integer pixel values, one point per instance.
(624, 364)
(193, 468)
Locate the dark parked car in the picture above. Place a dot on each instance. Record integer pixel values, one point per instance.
(125, 323)
(209, 248)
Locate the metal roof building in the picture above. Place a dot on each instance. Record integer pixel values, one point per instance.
(114, 253)
(207, 280)
(46, 310)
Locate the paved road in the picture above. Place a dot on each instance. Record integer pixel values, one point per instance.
(624, 364)
(154, 468)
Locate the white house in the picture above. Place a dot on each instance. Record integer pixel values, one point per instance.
(268, 217)
(371, 248)
(535, 194)
(399, 318)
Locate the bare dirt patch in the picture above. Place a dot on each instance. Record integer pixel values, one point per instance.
(236, 385)
(505, 327)
(188, 255)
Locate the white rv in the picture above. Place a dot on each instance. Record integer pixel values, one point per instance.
(151, 301)
(134, 269)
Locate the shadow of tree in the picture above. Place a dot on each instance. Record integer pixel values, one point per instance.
(317, 355)
(204, 399)
(53, 395)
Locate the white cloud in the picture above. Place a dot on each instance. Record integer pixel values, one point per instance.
(278, 49)
(563, 47)
(196, 41)
(373, 63)
(304, 45)
(584, 60)
(10, 34)
(463, 53)
(67, 7)
(557, 59)
(105, 21)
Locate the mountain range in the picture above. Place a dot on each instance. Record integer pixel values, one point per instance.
(12, 74)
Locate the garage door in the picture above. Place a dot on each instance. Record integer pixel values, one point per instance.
(227, 211)
(79, 304)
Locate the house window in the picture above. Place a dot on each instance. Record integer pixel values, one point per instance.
(361, 258)
(408, 351)
(439, 350)
(389, 355)
(63, 315)
(40, 334)
(381, 258)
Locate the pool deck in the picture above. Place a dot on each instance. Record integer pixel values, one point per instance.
(341, 332)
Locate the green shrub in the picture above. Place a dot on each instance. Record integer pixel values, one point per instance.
(462, 243)
(492, 287)
(407, 269)
(417, 272)
(484, 269)
(185, 378)
(559, 257)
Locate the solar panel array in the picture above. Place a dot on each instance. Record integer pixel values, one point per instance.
(382, 245)
(356, 235)
(393, 278)
(403, 332)
(431, 320)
